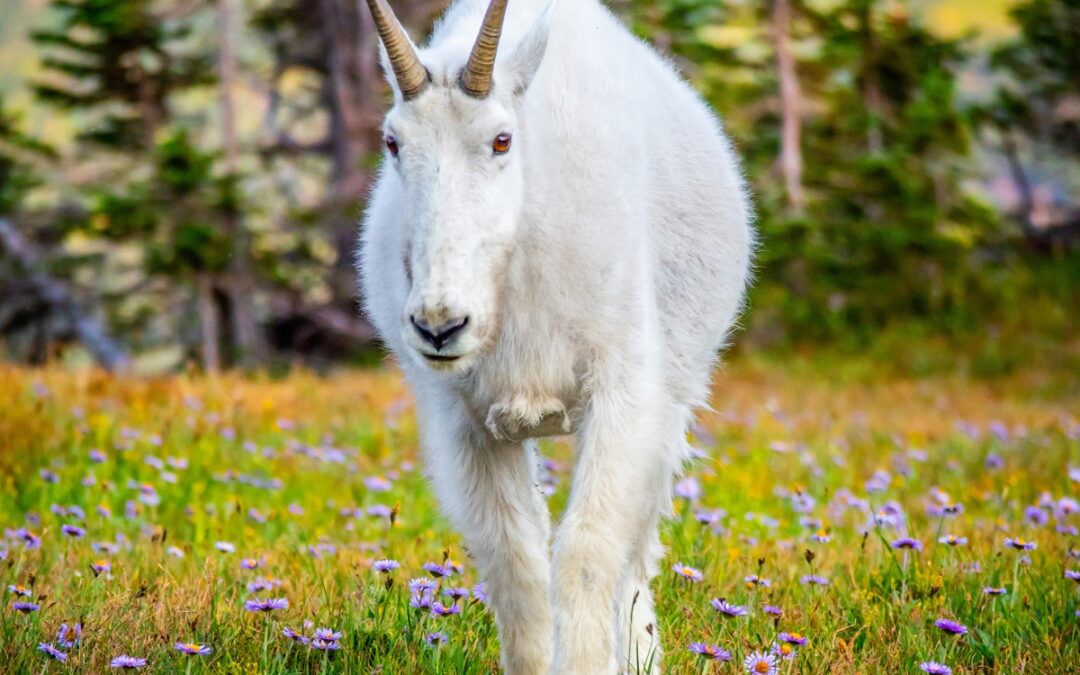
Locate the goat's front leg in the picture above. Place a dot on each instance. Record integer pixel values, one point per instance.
(489, 490)
(613, 503)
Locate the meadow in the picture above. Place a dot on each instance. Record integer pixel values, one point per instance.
(282, 525)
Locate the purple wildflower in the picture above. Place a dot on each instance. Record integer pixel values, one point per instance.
(251, 563)
(935, 668)
(293, 635)
(422, 584)
(100, 567)
(951, 627)
(225, 547)
(435, 639)
(25, 607)
(52, 652)
(437, 571)
(783, 650)
(687, 572)
(814, 580)
(773, 610)
(268, 605)
(385, 565)
(21, 591)
(1073, 575)
(793, 638)
(753, 580)
(328, 634)
(193, 648)
(260, 584)
(1019, 544)
(1036, 516)
(760, 663)
(479, 592)
(907, 543)
(325, 645)
(953, 540)
(458, 593)
(990, 590)
(441, 610)
(727, 609)
(127, 662)
(710, 652)
(69, 638)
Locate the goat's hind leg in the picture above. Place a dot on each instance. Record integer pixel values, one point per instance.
(489, 491)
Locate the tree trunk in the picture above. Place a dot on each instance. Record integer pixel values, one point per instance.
(209, 328)
(790, 107)
(90, 331)
(239, 283)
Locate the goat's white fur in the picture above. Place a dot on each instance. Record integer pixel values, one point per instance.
(602, 263)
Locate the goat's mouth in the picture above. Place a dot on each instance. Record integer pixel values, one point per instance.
(440, 358)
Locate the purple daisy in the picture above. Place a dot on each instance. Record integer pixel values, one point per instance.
(193, 648)
(760, 663)
(69, 638)
(437, 571)
(710, 652)
(990, 590)
(458, 593)
(127, 662)
(783, 650)
(953, 540)
(251, 563)
(479, 592)
(907, 543)
(814, 580)
(687, 572)
(1019, 544)
(793, 638)
(951, 627)
(441, 610)
(727, 609)
(52, 652)
(225, 547)
(268, 605)
(293, 635)
(435, 639)
(420, 600)
(25, 607)
(422, 584)
(325, 645)
(73, 531)
(21, 591)
(1073, 575)
(935, 668)
(327, 634)
(773, 610)
(260, 584)
(385, 565)
(100, 567)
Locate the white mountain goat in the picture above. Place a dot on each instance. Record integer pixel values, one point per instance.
(558, 243)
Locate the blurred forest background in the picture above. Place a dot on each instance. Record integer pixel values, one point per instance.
(181, 180)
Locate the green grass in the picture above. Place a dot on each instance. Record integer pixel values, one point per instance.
(773, 435)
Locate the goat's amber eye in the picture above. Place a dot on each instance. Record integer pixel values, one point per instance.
(501, 144)
(391, 145)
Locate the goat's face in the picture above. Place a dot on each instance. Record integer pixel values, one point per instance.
(453, 140)
(460, 168)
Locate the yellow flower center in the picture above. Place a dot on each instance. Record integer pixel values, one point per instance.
(193, 647)
(796, 636)
(785, 649)
(761, 667)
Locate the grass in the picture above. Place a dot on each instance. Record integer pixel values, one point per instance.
(287, 470)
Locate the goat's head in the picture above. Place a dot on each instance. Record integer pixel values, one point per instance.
(453, 138)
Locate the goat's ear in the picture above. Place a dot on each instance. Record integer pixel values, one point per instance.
(529, 53)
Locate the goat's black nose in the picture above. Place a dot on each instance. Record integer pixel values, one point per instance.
(440, 335)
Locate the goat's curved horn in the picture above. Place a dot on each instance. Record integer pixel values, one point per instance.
(476, 79)
(412, 77)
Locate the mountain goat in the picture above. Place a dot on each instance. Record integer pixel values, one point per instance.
(558, 243)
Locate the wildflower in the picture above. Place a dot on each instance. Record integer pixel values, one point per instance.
(73, 531)
(294, 635)
(687, 572)
(175, 552)
(951, 627)
(441, 610)
(25, 607)
(773, 610)
(435, 639)
(783, 650)
(1019, 544)
(821, 537)
(990, 590)
(49, 476)
(327, 634)
(420, 600)
(953, 540)
(459, 593)
(814, 580)
(711, 652)
(192, 648)
(225, 547)
(935, 668)
(21, 591)
(907, 543)
(100, 566)
(385, 565)
(1036, 516)
(263, 584)
(52, 652)
(422, 584)
(727, 609)
(69, 638)
(377, 483)
(479, 592)
(251, 563)
(97, 456)
(127, 662)
(793, 639)
(688, 488)
(759, 663)
(753, 580)
(28, 538)
(325, 645)
(437, 571)
(268, 605)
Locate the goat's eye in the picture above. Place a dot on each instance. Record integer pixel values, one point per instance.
(501, 144)
(392, 145)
